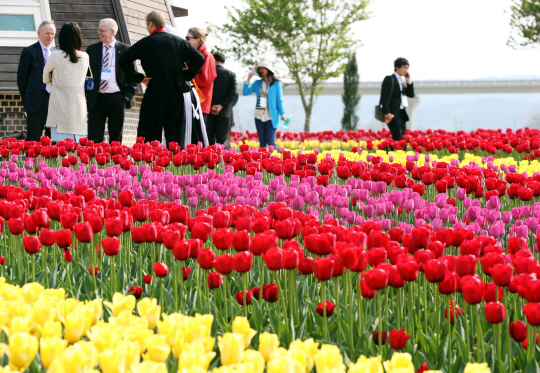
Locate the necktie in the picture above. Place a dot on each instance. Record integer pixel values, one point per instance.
(46, 54)
(106, 62)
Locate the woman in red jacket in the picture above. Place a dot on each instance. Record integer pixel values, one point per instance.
(206, 76)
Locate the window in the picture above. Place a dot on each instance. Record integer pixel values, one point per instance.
(17, 22)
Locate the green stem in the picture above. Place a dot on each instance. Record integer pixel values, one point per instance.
(480, 336)
(411, 313)
(325, 322)
(379, 321)
(244, 283)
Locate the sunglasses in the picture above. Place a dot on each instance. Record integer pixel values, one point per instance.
(190, 37)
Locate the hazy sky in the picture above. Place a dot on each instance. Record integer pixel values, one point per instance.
(443, 40)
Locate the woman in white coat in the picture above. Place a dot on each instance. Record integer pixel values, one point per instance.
(65, 72)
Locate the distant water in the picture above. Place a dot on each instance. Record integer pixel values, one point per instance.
(451, 112)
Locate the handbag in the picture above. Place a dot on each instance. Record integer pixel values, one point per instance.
(379, 115)
(89, 81)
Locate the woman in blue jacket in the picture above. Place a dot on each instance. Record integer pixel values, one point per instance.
(269, 105)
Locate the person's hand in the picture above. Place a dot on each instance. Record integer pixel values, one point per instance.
(284, 117)
(408, 78)
(219, 108)
(127, 99)
(146, 80)
(388, 117)
(250, 75)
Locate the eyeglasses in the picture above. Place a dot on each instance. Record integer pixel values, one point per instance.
(101, 31)
(190, 37)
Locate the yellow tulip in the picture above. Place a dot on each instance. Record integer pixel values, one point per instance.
(74, 327)
(241, 325)
(32, 291)
(329, 356)
(309, 346)
(197, 327)
(367, 365)
(51, 329)
(22, 350)
(49, 348)
(281, 364)
(5, 369)
(149, 309)
(150, 367)
(21, 325)
(256, 358)
(121, 303)
(13, 293)
(97, 306)
(245, 368)
(194, 355)
(157, 349)
(231, 348)
(477, 368)
(66, 307)
(268, 343)
(400, 363)
(54, 295)
(110, 361)
(302, 357)
(81, 357)
(126, 318)
(44, 310)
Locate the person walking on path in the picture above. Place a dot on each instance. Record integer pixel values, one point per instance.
(269, 106)
(65, 72)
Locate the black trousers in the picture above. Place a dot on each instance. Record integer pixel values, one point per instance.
(160, 113)
(218, 130)
(35, 122)
(111, 107)
(398, 125)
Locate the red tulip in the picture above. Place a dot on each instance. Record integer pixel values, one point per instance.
(397, 339)
(306, 266)
(16, 226)
(223, 264)
(394, 278)
(376, 279)
(242, 262)
(2, 260)
(435, 270)
(422, 368)
(214, 280)
(240, 240)
(63, 238)
(32, 245)
(185, 273)
(323, 268)
(377, 239)
(47, 237)
(472, 288)
(83, 231)
(111, 246)
(502, 274)
(243, 223)
(470, 247)
(205, 258)
(449, 285)
(170, 237)
(240, 297)
(138, 234)
(160, 269)
(150, 232)
(284, 229)
(181, 250)
(420, 237)
(329, 309)
(454, 311)
(136, 290)
(126, 198)
(366, 291)
(270, 292)
(532, 312)
(69, 219)
(202, 231)
(273, 259)
(256, 291)
(375, 337)
(29, 225)
(376, 256)
(495, 312)
(96, 222)
(141, 212)
(222, 238)
(409, 270)
(93, 271)
(490, 260)
(147, 279)
(262, 242)
(518, 331)
(466, 265)
(516, 244)
(490, 292)
(524, 343)
(67, 255)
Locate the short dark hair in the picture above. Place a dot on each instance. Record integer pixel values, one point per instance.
(219, 57)
(70, 40)
(400, 61)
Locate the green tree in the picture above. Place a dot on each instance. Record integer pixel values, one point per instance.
(525, 22)
(312, 38)
(350, 95)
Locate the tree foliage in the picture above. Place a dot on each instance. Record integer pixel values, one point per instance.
(350, 96)
(312, 38)
(525, 22)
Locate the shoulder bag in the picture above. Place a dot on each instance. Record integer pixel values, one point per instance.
(379, 115)
(89, 80)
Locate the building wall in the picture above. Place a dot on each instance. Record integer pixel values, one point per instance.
(8, 68)
(135, 12)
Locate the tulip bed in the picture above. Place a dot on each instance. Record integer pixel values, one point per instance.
(423, 259)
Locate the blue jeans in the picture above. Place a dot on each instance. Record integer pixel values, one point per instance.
(266, 132)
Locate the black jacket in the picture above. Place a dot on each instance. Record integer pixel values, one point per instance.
(30, 78)
(162, 57)
(395, 101)
(95, 52)
(224, 90)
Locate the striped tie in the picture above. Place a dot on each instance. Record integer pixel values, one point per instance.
(106, 61)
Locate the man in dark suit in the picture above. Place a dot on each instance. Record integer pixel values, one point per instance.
(113, 92)
(219, 120)
(162, 56)
(394, 98)
(35, 93)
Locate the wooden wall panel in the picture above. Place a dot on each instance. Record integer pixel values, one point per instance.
(10, 57)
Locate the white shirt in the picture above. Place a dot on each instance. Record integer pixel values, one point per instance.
(404, 101)
(112, 86)
(46, 53)
(262, 113)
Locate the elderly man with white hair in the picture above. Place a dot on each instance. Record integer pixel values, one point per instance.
(113, 91)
